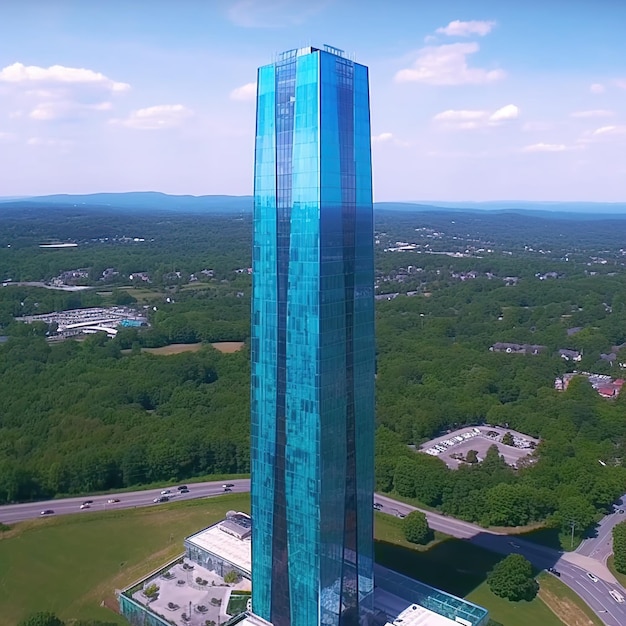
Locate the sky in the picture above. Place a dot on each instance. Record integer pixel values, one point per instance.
(470, 101)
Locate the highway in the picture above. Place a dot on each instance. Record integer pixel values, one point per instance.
(573, 567)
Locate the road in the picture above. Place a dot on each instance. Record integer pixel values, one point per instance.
(600, 547)
(572, 567)
(9, 514)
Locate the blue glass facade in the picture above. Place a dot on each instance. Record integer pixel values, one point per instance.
(312, 449)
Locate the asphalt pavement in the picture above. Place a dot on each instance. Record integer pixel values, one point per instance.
(573, 567)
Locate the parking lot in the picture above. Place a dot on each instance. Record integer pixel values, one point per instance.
(452, 448)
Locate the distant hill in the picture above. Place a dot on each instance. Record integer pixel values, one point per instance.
(141, 201)
(145, 201)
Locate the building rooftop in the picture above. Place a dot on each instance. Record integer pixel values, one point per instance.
(230, 539)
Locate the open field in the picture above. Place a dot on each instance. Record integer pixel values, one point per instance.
(175, 348)
(512, 613)
(71, 564)
(228, 347)
(565, 603)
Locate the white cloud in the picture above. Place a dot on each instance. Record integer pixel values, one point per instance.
(593, 113)
(620, 82)
(546, 147)
(504, 114)
(461, 115)
(162, 116)
(597, 88)
(447, 65)
(464, 119)
(57, 74)
(57, 92)
(64, 109)
(457, 28)
(610, 130)
(245, 92)
(272, 13)
(6, 137)
(382, 137)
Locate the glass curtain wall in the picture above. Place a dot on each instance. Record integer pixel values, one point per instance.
(312, 343)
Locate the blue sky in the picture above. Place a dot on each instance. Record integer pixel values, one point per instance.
(480, 100)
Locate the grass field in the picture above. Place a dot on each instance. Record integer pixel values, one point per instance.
(565, 603)
(71, 564)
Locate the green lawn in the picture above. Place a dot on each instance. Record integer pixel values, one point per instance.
(621, 578)
(514, 613)
(70, 564)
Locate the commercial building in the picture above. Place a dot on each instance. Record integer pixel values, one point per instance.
(312, 448)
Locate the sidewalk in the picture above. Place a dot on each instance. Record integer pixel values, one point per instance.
(590, 565)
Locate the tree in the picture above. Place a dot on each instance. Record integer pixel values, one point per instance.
(619, 547)
(575, 514)
(512, 578)
(43, 618)
(471, 456)
(416, 528)
(507, 439)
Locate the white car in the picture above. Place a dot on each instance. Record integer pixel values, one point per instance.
(591, 577)
(165, 492)
(85, 506)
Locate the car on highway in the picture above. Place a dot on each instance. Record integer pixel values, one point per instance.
(47, 512)
(616, 595)
(620, 510)
(554, 571)
(591, 577)
(112, 500)
(165, 492)
(88, 502)
(85, 505)
(378, 506)
(227, 489)
(185, 490)
(401, 515)
(229, 485)
(515, 545)
(182, 488)
(161, 499)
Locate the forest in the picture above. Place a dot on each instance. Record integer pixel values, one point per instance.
(98, 414)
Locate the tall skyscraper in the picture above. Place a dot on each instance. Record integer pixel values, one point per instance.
(313, 349)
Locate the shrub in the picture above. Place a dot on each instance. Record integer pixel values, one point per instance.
(416, 528)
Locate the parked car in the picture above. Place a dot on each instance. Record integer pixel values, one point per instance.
(554, 571)
(112, 500)
(47, 512)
